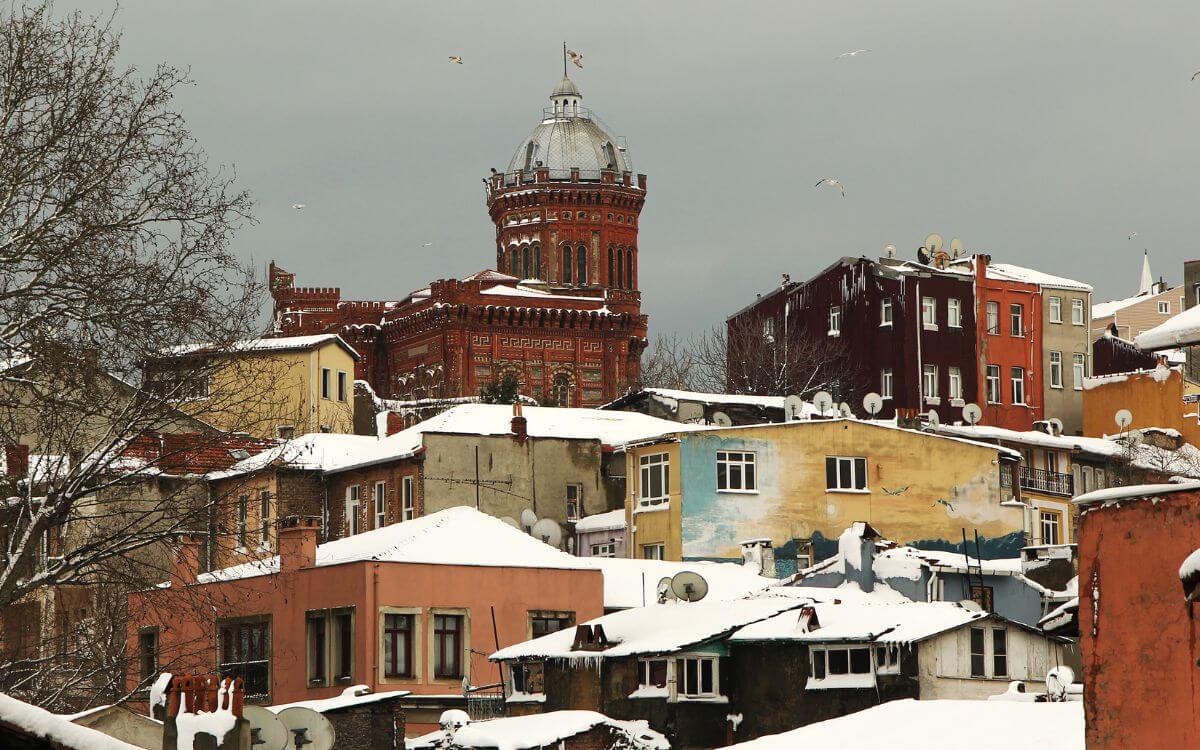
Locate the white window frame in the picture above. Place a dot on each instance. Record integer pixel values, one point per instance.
(992, 381)
(741, 465)
(1016, 320)
(574, 504)
(989, 654)
(1050, 520)
(1077, 318)
(887, 383)
(993, 318)
(1018, 385)
(954, 312)
(1056, 370)
(890, 661)
(956, 382)
(828, 680)
(1078, 370)
(648, 464)
(655, 551)
(835, 320)
(604, 549)
(885, 312)
(858, 471)
(407, 499)
(646, 688)
(264, 519)
(929, 313)
(1056, 310)
(343, 386)
(682, 691)
(1164, 304)
(379, 498)
(929, 380)
(353, 519)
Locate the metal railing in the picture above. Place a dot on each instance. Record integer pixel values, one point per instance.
(485, 701)
(1050, 482)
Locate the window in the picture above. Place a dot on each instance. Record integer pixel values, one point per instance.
(1051, 462)
(768, 329)
(993, 384)
(342, 390)
(652, 673)
(1056, 309)
(330, 637)
(353, 506)
(929, 312)
(264, 517)
(1017, 375)
(604, 549)
(885, 382)
(840, 667)
(885, 311)
(978, 655)
(574, 501)
(560, 390)
(1078, 370)
(581, 274)
(545, 623)
(993, 318)
(696, 676)
(956, 385)
(654, 552)
(343, 645)
(1051, 521)
(1164, 308)
(407, 506)
(929, 380)
(316, 632)
(397, 645)
(1056, 371)
(148, 654)
(887, 659)
(447, 646)
(954, 313)
(326, 382)
(528, 678)
(1077, 312)
(566, 264)
(835, 320)
(245, 651)
(654, 487)
(845, 473)
(982, 595)
(1016, 320)
(243, 515)
(735, 472)
(381, 514)
(999, 653)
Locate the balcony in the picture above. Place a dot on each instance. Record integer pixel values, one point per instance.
(1046, 482)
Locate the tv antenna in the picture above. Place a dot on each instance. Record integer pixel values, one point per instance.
(872, 404)
(689, 586)
(972, 414)
(308, 729)
(1123, 418)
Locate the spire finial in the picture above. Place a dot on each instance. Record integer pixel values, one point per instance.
(564, 59)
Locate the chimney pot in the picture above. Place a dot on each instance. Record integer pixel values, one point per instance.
(520, 427)
(185, 564)
(298, 542)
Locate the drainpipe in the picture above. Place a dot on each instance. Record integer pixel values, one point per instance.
(373, 628)
(920, 364)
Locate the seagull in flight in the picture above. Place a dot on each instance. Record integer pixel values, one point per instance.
(1130, 237)
(1194, 75)
(832, 182)
(456, 59)
(426, 244)
(576, 58)
(298, 206)
(851, 53)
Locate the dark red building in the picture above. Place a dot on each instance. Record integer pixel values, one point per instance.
(562, 314)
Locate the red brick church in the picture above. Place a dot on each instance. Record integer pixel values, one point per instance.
(562, 311)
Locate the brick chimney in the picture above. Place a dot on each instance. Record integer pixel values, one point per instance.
(298, 542)
(520, 428)
(14, 461)
(185, 564)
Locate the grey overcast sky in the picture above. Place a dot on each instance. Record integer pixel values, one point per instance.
(1041, 132)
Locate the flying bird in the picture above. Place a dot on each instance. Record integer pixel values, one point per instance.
(898, 491)
(576, 58)
(852, 53)
(298, 206)
(426, 244)
(1197, 73)
(833, 182)
(456, 59)
(1132, 236)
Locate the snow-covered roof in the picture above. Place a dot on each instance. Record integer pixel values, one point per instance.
(280, 344)
(769, 402)
(318, 451)
(541, 730)
(1105, 309)
(1009, 272)
(610, 521)
(633, 582)
(520, 290)
(356, 695)
(906, 562)
(1116, 495)
(862, 622)
(656, 629)
(911, 724)
(455, 536)
(1060, 616)
(1098, 446)
(55, 729)
(1179, 330)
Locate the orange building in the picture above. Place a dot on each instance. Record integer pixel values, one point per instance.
(415, 606)
(1008, 315)
(1159, 397)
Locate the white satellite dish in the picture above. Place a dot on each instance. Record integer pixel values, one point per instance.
(956, 248)
(933, 418)
(511, 522)
(267, 732)
(721, 419)
(528, 518)
(793, 407)
(664, 590)
(548, 531)
(1057, 424)
(1124, 418)
(823, 402)
(689, 586)
(307, 729)
(872, 403)
(889, 251)
(845, 410)
(972, 413)
(933, 243)
(1058, 680)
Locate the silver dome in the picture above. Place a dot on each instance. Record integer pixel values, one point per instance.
(568, 138)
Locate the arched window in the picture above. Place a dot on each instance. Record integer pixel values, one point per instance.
(513, 262)
(526, 263)
(629, 283)
(537, 260)
(619, 279)
(581, 262)
(611, 263)
(566, 264)
(560, 390)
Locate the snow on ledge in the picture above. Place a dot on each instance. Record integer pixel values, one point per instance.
(1114, 495)
(55, 729)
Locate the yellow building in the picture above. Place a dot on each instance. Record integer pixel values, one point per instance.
(279, 387)
(696, 495)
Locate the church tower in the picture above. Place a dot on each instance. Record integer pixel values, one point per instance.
(567, 208)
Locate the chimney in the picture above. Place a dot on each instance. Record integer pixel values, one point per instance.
(759, 556)
(298, 542)
(185, 564)
(14, 461)
(520, 428)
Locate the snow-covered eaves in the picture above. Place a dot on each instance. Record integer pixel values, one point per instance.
(1061, 618)
(613, 520)
(1117, 495)
(1105, 309)
(318, 451)
(862, 622)
(1009, 272)
(55, 730)
(356, 695)
(1096, 446)
(254, 346)
(541, 730)
(634, 583)
(1180, 330)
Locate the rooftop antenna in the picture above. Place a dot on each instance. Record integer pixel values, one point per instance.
(564, 59)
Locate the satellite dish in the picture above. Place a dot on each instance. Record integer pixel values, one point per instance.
(1058, 680)
(845, 410)
(689, 586)
(548, 531)
(933, 243)
(793, 407)
(934, 419)
(721, 419)
(1057, 424)
(528, 519)
(956, 247)
(889, 250)
(307, 729)
(511, 522)
(664, 590)
(972, 413)
(872, 403)
(970, 605)
(823, 402)
(267, 732)
(1124, 418)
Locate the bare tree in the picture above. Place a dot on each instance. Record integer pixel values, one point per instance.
(670, 362)
(114, 247)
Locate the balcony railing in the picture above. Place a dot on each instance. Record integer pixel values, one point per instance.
(1049, 482)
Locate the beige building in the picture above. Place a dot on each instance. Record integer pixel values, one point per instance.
(1066, 352)
(279, 387)
(1152, 305)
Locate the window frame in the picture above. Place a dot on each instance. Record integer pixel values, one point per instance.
(929, 313)
(408, 498)
(1078, 370)
(1017, 378)
(1052, 520)
(603, 549)
(650, 464)
(954, 312)
(326, 383)
(1054, 309)
(835, 320)
(457, 648)
(1016, 320)
(646, 676)
(1077, 307)
(992, 310)
(885, 312)
(379, 503)
(343, 390)
(821, 675)
(416, 643)
(743, 464)
(1056, 370)
(352, 523)
(887, 383)
(148, 660)
(859, 473)
(227, 667)
(658, 549)
(685, 691)
(977, 652)
(243, 522)
(1164, 303)
(264, 519)
(929, 380)
(955, 382)
(993, 386)
(574, 505)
